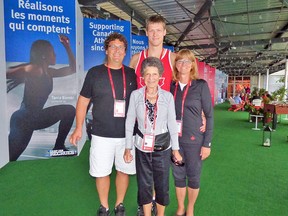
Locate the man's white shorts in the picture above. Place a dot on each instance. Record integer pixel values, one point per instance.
(104, 151)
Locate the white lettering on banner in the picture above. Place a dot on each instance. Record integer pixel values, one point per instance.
(101, 27)
(49, 29)
(101, 34)
(136, 49)
(46, 20)
(17, 15)
(138, 42)
(96, 47)
(99, 40)
(55, 153)
(17, 26)
(38, 5)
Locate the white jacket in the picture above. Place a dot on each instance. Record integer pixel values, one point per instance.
(165, 120)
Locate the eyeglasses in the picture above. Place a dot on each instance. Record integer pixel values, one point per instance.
(114, 47)
(184, 61)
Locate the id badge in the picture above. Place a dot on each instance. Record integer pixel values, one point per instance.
(119, 108)
(148, 142)
(179, 127)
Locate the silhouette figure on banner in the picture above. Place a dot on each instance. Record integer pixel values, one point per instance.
(37, 76)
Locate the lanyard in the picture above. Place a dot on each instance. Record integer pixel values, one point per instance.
(112, 83)
(183, 98)
(160, 54)
(146, 110)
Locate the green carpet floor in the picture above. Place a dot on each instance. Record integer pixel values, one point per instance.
(240, 178)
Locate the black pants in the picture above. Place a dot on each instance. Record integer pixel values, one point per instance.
(191, 171)
(23, 122)
(152, 169)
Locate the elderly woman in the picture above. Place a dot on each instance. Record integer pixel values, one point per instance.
(154, 110)
(192, 99)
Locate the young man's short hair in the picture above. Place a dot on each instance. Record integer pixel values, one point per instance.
(156, 19)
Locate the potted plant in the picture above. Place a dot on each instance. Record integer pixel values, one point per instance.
(268, 117)
(279, 94)
(254, 111)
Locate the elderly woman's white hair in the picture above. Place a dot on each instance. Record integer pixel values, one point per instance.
(152, 62)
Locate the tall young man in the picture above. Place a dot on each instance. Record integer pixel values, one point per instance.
(155, 31)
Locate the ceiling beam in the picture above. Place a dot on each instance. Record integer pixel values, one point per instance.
(119, 4)
(270, 10)
(238, 43)
(125, 8)
(285, 2)
(205, 7)
(90, 2)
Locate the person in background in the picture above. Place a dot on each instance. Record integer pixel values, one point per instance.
(237, 99)
(192, 96)
(37, 76)
(154, 110)
(247, 90)
(255, 96)
(266, 96)
(243, 96)
(108, 87)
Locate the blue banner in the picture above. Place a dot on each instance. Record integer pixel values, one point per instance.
(139, 43)
(171, 48)
(40, 39)
(28, 21)
(95, 33)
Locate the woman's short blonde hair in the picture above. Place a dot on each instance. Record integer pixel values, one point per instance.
(185, 53)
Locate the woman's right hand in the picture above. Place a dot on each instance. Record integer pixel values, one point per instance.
(128, 157)
(177, 156)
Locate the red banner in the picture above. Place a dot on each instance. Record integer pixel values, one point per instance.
(207, 73)
(201, 67)
(211, 82)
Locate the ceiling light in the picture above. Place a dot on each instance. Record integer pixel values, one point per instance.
(107, 15)
(260, 16)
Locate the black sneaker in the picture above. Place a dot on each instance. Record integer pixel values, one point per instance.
(119, 210)
(154, 208)
(140, 211)
(102, 211)
(60, 148)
